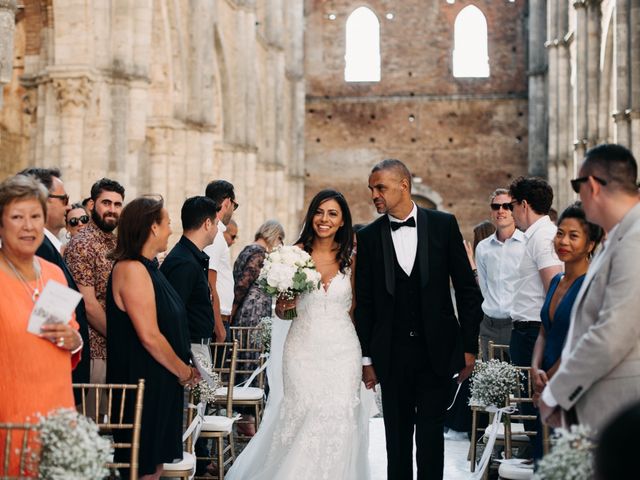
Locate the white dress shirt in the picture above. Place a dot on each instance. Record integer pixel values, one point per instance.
(498, 264)
(539, 254)
(405, 244)
(220, 261)
(405, 241)
(547, 396)
(55, 240)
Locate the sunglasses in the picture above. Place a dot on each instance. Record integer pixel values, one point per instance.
(73, 222)
(505, 206)
(235, 205)
(575, 183)
(64, 198)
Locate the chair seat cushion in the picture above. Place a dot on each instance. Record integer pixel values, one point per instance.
(188, 462)
(517, 432)
(240, 393)
(515, 471)
(217, 423)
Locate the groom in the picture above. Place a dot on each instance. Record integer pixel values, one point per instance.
(411, 341)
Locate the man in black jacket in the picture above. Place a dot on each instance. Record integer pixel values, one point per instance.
(411, 340)
(57, 207)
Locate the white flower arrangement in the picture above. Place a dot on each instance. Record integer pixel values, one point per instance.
(288, 272)
(72, 448)
(202, 391)
(263, 335)
(492, 382)
(571, 456)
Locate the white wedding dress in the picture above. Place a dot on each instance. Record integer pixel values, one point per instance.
(315, 424)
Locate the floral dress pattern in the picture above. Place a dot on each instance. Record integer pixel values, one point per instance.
(250, 301)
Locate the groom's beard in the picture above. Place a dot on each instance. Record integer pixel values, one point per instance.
(102, 222)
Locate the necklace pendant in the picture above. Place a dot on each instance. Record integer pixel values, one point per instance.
(36, 294)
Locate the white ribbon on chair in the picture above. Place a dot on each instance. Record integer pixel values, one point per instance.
(196, 424)
(247, 383)
(491, 441)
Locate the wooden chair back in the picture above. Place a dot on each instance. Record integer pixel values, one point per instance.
(16, 443)
(114, 420)
(250, 353)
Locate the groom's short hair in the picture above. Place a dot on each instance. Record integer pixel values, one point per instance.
(397, 166)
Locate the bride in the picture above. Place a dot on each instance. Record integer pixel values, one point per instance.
(315, 425)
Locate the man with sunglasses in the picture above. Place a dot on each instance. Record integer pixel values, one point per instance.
(220, 271)
(599, 373)
(498, 258)
(57, 207)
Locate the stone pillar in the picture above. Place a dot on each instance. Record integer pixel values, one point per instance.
(594, 20)
(581, 99)
(552, 46)
(7, 29)
(634, 112)
(73, 95)
(537, 88)
(623, 134)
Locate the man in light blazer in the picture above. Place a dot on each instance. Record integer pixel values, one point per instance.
(599, 374)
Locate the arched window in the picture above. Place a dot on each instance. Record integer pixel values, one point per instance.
(470, 52)
(362, 57)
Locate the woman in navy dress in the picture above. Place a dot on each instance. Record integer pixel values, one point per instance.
(147, 335)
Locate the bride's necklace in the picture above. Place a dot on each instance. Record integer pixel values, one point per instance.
(34, 292)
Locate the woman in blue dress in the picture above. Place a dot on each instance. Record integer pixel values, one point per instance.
(574, 243)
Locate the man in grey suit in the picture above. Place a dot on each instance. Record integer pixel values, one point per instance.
(599, 374)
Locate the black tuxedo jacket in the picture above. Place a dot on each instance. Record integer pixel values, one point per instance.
(441, 257)
(49, 252)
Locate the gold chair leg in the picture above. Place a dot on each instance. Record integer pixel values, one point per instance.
(474, 440)
(220, 441)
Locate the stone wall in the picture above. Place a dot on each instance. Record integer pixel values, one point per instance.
(163, 96)
(462, 137)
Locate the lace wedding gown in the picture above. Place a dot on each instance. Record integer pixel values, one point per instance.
(315, 425)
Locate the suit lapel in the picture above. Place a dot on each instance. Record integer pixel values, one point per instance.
(423, 247)
(387, 254)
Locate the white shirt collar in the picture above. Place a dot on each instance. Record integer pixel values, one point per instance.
(517, 235)
(533, 228)
(222, 227)
(414, 214)
(56, 242)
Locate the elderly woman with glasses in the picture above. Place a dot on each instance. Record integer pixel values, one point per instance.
(37, 367)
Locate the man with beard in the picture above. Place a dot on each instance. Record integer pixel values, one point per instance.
(86, 257)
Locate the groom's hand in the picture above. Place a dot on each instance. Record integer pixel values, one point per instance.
(469, 362)
(369, 377)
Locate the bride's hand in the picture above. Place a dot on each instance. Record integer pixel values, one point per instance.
(284, 304)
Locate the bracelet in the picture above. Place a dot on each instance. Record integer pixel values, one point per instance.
(79, 347)
(189, 378)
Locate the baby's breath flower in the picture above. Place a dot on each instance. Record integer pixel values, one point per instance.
(492, 382)
(571, 456)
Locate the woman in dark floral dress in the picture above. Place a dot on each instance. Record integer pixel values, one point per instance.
(250, 303)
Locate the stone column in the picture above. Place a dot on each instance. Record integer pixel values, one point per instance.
(7, 29)
(634, 112)
(73, 95)
(594, 20)
(552, 45)
(581, 99)
(537, 88)
(623, 92)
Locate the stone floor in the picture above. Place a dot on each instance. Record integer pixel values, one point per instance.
(456, 466)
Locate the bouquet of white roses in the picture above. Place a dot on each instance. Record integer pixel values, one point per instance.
(571, 457)
(492, 382)
(288, 272)
(71, 447)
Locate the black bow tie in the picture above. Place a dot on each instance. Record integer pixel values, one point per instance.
(410, 222)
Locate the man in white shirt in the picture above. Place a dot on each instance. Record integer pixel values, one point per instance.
(220, 269)
(498, 258)
(599, 373)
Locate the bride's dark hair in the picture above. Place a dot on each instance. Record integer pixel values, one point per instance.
(344, 235)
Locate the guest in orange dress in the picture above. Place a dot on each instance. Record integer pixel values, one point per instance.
(36, 369)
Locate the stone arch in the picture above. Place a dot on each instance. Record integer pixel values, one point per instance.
(362, 46)
(426, 197)
(471, 43)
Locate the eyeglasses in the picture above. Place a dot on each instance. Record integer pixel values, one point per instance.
(64, 198)
(73, 222)
(575, 183)
(505, 206)
(235, 204)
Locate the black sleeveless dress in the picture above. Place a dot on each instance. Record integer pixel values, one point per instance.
(128, 360)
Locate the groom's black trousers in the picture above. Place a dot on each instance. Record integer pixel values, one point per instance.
(413, 396)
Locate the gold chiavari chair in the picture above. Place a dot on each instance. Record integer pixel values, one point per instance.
(114, 420)
(186, 467)
(219, 428)
(498, 352)
(250, 358)
(16, 441)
